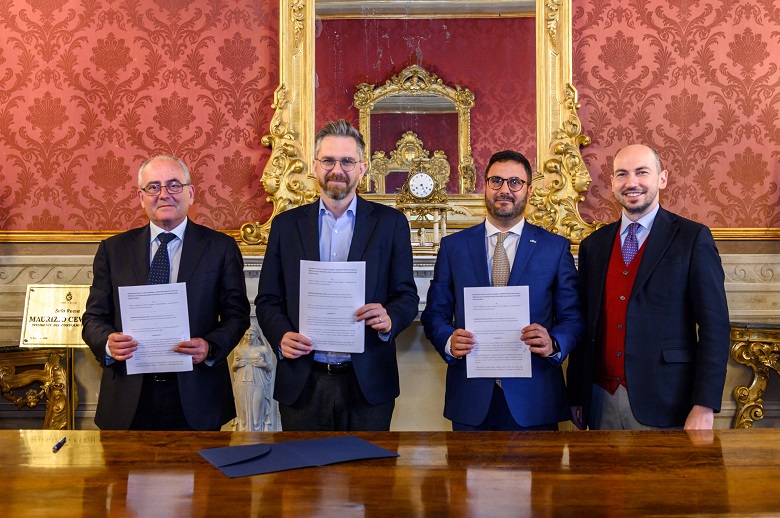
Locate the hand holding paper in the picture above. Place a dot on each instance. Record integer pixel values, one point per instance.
(121, 346)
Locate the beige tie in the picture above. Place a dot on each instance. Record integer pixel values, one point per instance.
(500, 262)
(500, 269)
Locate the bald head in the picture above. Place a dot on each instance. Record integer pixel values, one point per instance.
(637, 180)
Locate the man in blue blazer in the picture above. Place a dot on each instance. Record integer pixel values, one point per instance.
(325, 390)
(540, 260)
(657, 337)
(210, 264)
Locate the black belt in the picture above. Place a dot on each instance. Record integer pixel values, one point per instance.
(161, 377)
(333, 368)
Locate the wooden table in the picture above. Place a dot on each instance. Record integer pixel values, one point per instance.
(438, 473)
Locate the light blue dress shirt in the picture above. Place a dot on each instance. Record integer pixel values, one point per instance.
(335, 240)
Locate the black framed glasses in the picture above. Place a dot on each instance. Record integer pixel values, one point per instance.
(327, 164)
(174, 187)
(515, 184)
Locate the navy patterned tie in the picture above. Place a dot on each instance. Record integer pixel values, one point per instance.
(630, 245)
(160, 270)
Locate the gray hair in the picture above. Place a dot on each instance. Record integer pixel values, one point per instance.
(187, 178)
(340, 128)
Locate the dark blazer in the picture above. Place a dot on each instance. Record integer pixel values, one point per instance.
(212, 266)
(544, 263)
(679, 286)
(381, 239)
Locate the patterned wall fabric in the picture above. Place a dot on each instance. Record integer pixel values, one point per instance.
(697, 79)
(494, 58)
(89, 89)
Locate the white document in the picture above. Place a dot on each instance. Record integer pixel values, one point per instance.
(156, 316)
(331, 294)
(496, 315)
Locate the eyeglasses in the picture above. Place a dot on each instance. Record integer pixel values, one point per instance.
(515, 184)
(174, 187)
(347, 164)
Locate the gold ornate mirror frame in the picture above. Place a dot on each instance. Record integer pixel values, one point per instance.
(416, 81)
(559, 183)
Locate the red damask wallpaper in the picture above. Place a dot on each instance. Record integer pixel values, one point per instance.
(494, 58)
(699, 81)
(89, 89)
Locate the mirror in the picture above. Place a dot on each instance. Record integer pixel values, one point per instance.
(561, 176)
(416, 91)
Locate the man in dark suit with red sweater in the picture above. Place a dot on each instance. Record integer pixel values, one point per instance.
(170, 249)
(657, 336)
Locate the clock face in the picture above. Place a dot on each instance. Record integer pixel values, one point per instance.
(421, 185)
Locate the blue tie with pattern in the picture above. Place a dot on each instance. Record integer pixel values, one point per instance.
(160, 269)
(630, 245)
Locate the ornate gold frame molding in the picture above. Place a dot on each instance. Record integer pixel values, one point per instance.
(48, 237)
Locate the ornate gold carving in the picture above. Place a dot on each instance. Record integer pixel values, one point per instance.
(556, 204)
(15, 373)
(284, 178)
(416, 81)
(760, 350)
(297, 12)
(552, 16)
(408, 149)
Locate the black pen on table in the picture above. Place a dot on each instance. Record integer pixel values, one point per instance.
(59, 445)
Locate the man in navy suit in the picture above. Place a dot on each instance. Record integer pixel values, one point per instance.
(657, 337)
(322, 390)
(210, 263)
(540, 260)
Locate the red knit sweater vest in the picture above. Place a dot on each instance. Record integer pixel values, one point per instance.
(610, 369)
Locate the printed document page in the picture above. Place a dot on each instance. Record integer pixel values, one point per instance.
(156, 316)
(331, 294)
(496, 315)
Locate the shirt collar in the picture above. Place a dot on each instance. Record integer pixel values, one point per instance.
(491, 230)
(351, 209)
(156, 231)
(645, 221)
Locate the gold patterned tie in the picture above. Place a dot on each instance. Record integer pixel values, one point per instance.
(500, 262)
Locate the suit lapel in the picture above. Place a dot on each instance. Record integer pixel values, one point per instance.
(657, 242)
(138, 252)
(308, 227)
(525, 248)
(365, 221)
(475, 242)
(191, 252)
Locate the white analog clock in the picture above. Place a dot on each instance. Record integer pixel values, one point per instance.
(421, 185)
